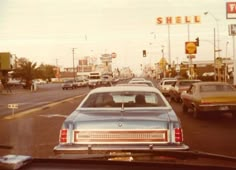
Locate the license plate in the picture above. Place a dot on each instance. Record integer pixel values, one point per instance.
(222, 108)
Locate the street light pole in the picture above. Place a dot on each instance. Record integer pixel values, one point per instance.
(73, 53)
(218, 42)
(217, 29)
(214, 55)
(226, 49)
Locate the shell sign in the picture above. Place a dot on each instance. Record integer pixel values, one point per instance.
(178, 20)
(190, 48)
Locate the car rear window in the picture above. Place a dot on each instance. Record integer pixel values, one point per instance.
(216, 88)
(169, 82)
(187, 83)
(124, 99)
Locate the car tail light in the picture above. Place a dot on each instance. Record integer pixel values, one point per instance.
(63, 136)
(178, 135)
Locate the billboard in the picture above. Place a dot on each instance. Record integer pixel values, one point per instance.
(6, 61)
(232, 29)
(83, 62)
(231, 10)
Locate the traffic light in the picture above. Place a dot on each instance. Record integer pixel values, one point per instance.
(144, 53)
(197, 42)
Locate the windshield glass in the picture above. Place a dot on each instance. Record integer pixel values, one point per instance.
(216, 88)
(127, 99)
(186, 83)
(56, 56)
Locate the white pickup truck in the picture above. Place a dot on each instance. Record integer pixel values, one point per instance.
(94, 80)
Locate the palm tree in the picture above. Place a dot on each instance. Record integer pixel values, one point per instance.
(26, 71)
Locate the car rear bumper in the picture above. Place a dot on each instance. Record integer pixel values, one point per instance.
(85, 149)
(218, 108)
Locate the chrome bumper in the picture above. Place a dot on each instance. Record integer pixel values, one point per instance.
(87, 149)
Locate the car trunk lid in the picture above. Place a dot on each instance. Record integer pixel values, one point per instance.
(121, 127)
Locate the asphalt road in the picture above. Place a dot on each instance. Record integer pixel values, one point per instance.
(45, 94)
(212, 133)
(37, 133)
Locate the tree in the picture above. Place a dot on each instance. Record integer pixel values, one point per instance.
(45, 72)
(26, 71)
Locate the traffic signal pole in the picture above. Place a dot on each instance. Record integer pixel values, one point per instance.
(234, 61)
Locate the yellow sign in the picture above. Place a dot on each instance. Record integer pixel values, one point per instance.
(178, 20)
(162, 63)
(190, 48)
(218, 62)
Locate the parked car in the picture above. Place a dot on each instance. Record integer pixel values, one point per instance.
(16, 83)
(121, 118)
(211, 97)
(165, 84)
(39, 81)
(178, 87)
(69, 84)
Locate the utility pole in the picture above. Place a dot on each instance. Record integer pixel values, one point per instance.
(73, 53)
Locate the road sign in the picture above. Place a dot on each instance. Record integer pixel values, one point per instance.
(177, 68)
(13, 106)
(230, 10)
(190, 47)
(218, 62)
(232, 29)
(191, 56)
(163, 63)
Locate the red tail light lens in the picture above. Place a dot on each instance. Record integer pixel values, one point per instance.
(63, 136)
(178, 135)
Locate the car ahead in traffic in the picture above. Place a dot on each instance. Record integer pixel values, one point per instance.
(178, 87)
(165, 84)
(80, 83)
(69, 84)
(147, 82)
(209, 97)
(121, 118)
(138, 79)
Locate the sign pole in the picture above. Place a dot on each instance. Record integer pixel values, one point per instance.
(190, 58)
(234, 61)
(13, 112)
(13, 107)
(214, 62)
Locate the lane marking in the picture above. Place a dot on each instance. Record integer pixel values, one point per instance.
(53, 115)
(26, 112)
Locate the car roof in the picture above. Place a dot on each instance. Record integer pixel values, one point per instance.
(211, 83)
(142, 82)
(186, 80)
(168, 78)
(138, 79)
(125, 88)
(132, 84)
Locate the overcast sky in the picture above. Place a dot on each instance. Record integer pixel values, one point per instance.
(45, 31)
